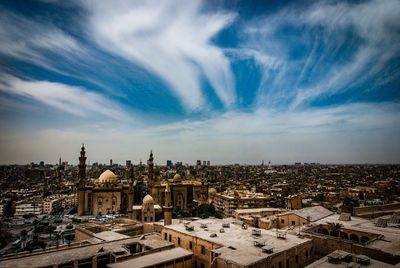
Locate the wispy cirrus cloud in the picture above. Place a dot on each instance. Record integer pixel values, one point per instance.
(171, 39)
(71, 99)
(341, 46)
(32, 41)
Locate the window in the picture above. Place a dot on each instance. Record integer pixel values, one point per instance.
(151, 218)
(99, 203)
(165, 236)
(282, 221)
(203, 250)
(179, 241)
(297, 258)
(190, 245)
(145, 218)
(287, 263)
(202, 265)
(307, 254)
(137, 217)
(280, 264)
(293, 223)
(170, 238)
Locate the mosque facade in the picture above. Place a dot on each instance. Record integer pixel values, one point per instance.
(109, 196)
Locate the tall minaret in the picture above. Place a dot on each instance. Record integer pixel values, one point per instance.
(131, 190)
(151, 170)
(82, 182)
(82, 168)
(167, 206)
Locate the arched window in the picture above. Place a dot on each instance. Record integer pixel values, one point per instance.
(354, 237)
(364, 239)
(324, 231)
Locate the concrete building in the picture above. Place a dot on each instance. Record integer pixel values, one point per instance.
(379, 238)
(33, 208)
(92, 253)
(343, 259)
(229, 201)
(226, 243)
(171, 258)
(51, 205)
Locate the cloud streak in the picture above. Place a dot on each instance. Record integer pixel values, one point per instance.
(171, 39)
(71, 99)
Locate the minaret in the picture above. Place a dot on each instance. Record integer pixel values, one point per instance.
(167, 206)
(131, 190)
(82, 182)
(150, 171)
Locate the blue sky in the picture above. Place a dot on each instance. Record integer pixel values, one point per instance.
(226, 81)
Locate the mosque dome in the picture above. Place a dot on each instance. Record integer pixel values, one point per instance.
(177, 177)
(107, 177)
(148, 199)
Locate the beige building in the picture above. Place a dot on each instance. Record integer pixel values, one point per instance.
(229, 201)
(51, 205)
(295, 218)
(109, 196)
(93, 253)
(34, 208)
(226, 243)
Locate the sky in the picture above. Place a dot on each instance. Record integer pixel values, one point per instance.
(226, 81)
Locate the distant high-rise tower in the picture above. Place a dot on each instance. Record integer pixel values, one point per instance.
(128, 163)
(111, 163)
(269, 165)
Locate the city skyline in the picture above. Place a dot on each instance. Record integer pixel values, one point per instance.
(229, 82)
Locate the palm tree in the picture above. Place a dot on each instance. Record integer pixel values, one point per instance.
(335, 227)
(58, 237)
(23, 238)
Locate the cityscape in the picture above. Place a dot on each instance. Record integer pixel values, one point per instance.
(199, 134)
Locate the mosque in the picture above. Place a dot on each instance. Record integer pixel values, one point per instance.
(110, 196)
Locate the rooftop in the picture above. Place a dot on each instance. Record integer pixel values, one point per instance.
(324, 263)
(237, 244)
(314, 213)
(256, 210)
(391, 236)
(65, 255)
(154, 259)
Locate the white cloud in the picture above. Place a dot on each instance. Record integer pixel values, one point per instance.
(32, 41)
(170, 38)
(346, 45)
(72, 99)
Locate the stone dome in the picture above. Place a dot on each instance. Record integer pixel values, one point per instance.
(148, 199)
(107, 177)
(212, 191)
(177, 177)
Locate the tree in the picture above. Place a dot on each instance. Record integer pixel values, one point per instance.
(23, 234)
(57, 237)
(69, 238)
(335, 227)
(43, 245)
(50, 229)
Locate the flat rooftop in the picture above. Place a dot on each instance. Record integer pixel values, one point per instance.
(237, 244)
(256, 210)
(324, 263)
(154, 259)
(391, 235)
(65, 255)
(313, 213)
